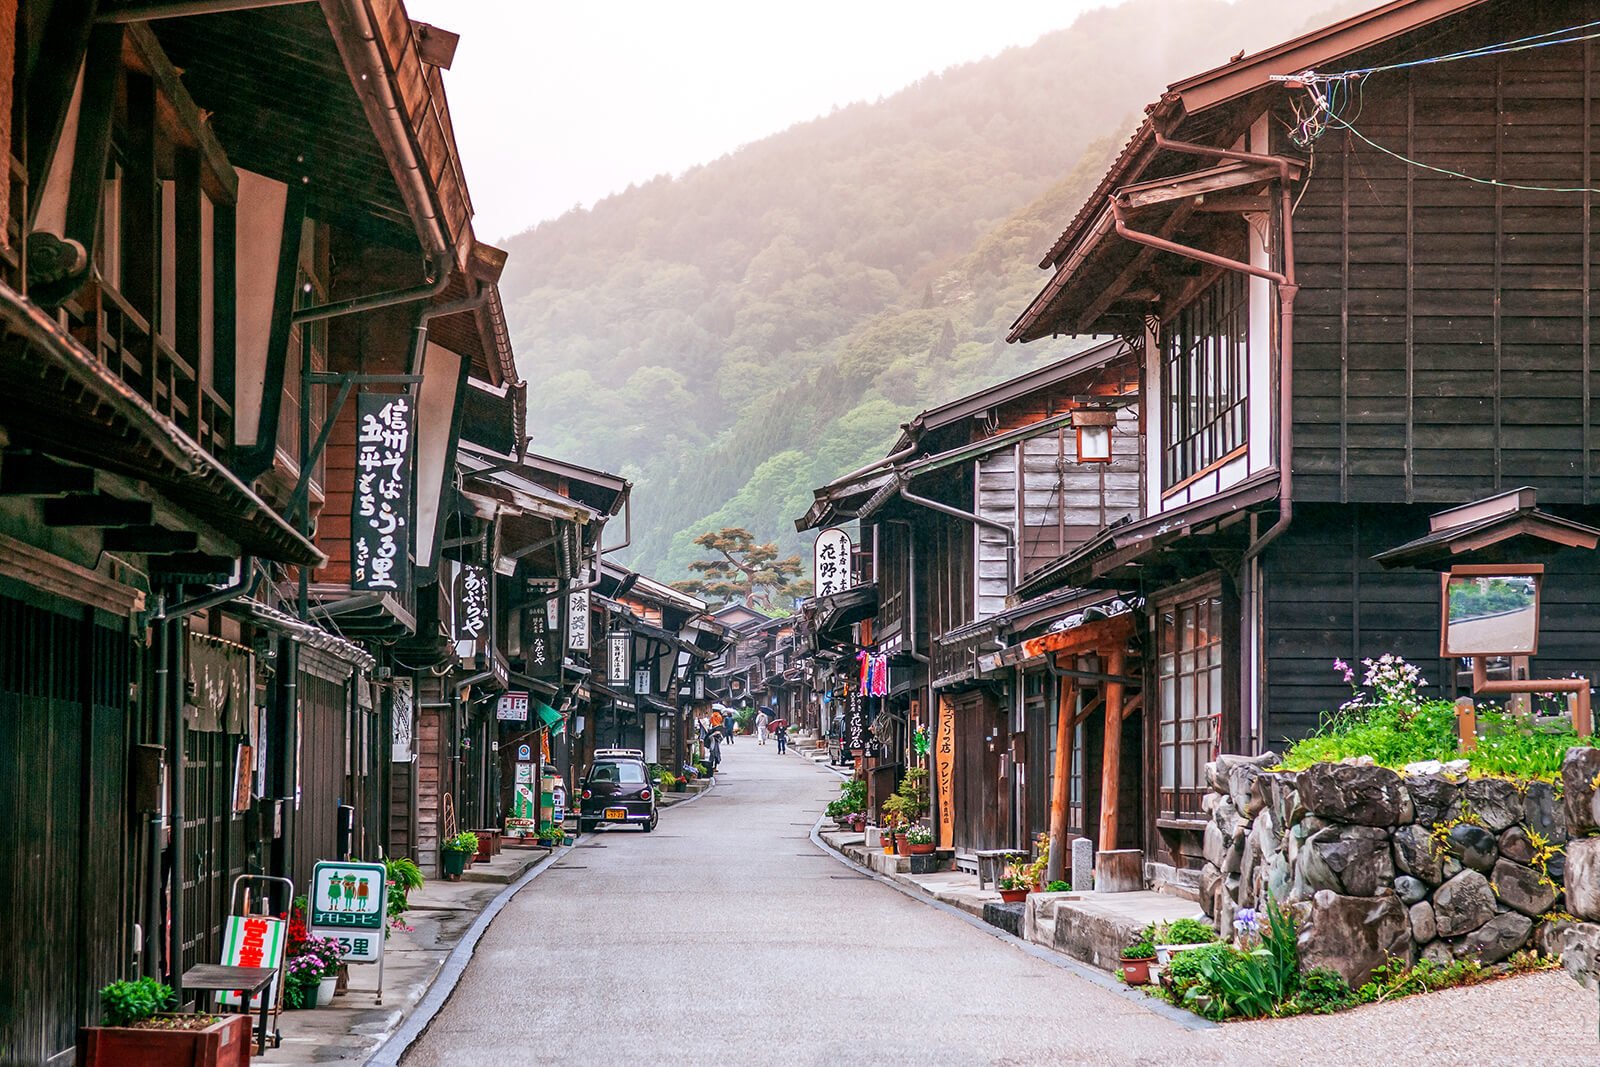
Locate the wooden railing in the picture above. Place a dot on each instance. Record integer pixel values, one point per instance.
(121, 338)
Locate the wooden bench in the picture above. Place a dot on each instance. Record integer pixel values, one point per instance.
(992, 863)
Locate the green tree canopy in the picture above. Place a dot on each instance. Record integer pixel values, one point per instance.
(740, 569)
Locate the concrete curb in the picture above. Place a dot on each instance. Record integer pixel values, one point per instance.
(1186, 1019)
(394, 1047)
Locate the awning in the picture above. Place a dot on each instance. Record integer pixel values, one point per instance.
(828, 613)
(1504, 528)
(1085, 637)
(62, 400)
(1127, 541)
(304, 632)
(548, 716)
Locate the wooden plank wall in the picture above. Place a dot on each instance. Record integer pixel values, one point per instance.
(1443, 333)
(1326, 598)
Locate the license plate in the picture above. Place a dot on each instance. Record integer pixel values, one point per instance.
(616, 813)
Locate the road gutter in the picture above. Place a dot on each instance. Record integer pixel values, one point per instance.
(1186, 1019)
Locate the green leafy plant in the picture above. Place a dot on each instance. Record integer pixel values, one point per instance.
(1321, 992)
(1186, 932)
(1058, 886)
(403, 876)
(1254, 983)
(129, 1003)
(1140, 948)
(920, 835)
(464, 842)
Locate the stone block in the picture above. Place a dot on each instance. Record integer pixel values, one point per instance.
(1410, 889)
(1496, 801)
(1415, 854)
(1463, 903)
(1515, 846)
(1423, 927)
(1369, 796)
(1580, 786)
(1583, 877)
(1523, 888)
(1495, 939)
(1542, 813)
(1354, 935)
(1431, 797)
(1350, 860)
(1474, 846)
(1579, 947)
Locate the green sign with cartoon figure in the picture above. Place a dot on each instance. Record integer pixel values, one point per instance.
(349, 902)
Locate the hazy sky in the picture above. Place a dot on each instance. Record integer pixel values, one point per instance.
(561, 103)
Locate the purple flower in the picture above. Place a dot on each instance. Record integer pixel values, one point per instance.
(1344, 668)
(1248, 921)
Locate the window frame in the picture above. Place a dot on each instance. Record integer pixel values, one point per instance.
(1191, 690)
(1205, 372)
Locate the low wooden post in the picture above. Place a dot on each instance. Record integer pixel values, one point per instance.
(1582, 712)
(1111, 754)
(1467, 723)
(1060, 785)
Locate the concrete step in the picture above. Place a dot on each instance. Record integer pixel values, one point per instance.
(1096, 927)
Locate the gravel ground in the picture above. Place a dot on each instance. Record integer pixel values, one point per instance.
(727, 937)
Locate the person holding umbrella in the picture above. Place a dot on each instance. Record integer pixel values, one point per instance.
(780, 730)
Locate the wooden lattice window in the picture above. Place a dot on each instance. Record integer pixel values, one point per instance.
(1204, 374)
(1189, 678)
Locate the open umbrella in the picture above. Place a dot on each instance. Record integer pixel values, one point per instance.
(775, 723)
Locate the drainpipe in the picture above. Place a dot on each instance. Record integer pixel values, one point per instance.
(152, 928)
(887, 461)
(1287, 289)
(966, 516)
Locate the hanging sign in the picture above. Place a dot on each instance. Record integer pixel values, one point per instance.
(699, 687)
(543, 661)
(512, 707)
(641, 681)
(380, 523)
(831, 561)
(619, 657)
(472, 603)
(349, 902)
(944, 770)
(855, 724)
(524, 752)
(524, 774)
(401, 710)
(578, 621)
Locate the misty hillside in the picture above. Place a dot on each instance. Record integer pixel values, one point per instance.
(761, 324)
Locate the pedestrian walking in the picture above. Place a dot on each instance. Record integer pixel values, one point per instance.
(762, 718)
(727, 728)
(783, 739)
(714, 749)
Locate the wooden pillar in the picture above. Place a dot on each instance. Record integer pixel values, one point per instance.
(1111, 755)
(1060, 785)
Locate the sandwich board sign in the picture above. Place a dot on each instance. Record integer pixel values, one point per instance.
(350, 902)
(252, 941)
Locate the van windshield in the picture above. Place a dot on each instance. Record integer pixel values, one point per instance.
(618, 774)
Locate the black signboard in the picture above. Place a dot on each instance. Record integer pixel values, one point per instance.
(472, 602)
(543, 658)
(380, 521)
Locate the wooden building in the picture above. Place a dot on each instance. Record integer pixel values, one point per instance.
(221, 228)
(976, 498)
(1356, 269)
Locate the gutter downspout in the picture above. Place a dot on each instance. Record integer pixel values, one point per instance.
(1287, 289)
(887, 461)
(978, 520)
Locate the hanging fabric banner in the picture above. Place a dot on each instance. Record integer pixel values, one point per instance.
(472, 603)
(380, 523)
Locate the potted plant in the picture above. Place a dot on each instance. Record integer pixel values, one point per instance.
(1013, 887)
(1179, 936)
(311, 973)
(919, 840)
(1137, 958)
(403, 876)
(138, 1031)
(455, 852)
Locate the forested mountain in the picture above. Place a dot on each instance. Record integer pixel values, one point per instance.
(736, 335)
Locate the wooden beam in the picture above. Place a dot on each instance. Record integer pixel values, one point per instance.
(1111, 756)
(169, 83)
(1132, 704)
(1060, 784)
(34, 474)
(1113, 631)
(199, 566)
(1198, 183)
(151, 10)
(154, 540)
(102, 71)
(100, 511)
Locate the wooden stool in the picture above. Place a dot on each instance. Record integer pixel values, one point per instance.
(992, 861)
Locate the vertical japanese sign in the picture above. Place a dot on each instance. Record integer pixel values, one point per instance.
(401, 710)
(855, 727)
(641, 681)
(619, 657)
(252, 941)
(578, 621)
(831, 560)
(472, 603)
(380, 523)
(944, 771)
(348, 902)
(536, 647)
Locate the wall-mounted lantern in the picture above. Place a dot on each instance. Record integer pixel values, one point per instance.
(1094, 434)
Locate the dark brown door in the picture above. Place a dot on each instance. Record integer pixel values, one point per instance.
(979, 801)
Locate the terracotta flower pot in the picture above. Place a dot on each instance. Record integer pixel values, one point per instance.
(921, 850)
(1013, 896)
(1137, 972)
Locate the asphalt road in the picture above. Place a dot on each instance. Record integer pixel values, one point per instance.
(727, 937)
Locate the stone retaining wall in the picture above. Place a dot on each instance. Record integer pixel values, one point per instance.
(1425, 865)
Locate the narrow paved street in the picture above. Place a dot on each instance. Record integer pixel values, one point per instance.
(728, 937)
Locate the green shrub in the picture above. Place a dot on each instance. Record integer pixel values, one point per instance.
(1322, 991)
(126, 1003)
(1188, 932)
(1058, 886)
